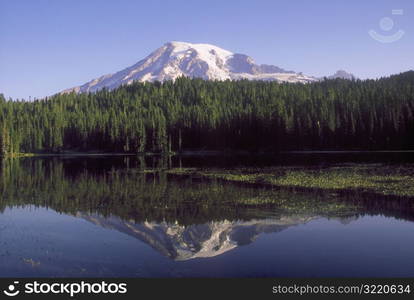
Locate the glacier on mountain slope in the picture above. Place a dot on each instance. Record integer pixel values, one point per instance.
(176, 59)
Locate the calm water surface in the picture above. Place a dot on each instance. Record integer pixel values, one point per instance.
(106, 216)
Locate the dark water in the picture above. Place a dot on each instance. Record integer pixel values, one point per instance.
(107, 216)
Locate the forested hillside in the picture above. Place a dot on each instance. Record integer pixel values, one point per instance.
(217, 115)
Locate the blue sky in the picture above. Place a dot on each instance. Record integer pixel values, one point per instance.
(48, 46)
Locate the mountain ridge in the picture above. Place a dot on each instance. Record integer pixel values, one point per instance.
(206, 61)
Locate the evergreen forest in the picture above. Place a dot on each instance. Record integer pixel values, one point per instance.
(195, 114)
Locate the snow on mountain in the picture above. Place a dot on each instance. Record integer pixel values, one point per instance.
(176, 59)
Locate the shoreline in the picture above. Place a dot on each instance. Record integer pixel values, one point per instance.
(207, 153)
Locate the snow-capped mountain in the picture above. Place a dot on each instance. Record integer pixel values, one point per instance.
(343, 75)
(176, 59)
(180, 242)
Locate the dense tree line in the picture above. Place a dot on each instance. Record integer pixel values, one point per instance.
(216, 115)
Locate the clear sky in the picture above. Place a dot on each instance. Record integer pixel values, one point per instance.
(47, 46)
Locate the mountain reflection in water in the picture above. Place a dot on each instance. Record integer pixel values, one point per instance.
(181, 242)
(181, 218)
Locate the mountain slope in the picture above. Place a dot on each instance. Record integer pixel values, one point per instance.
(176, 59)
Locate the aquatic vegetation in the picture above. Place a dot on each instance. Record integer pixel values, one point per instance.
(393, 180)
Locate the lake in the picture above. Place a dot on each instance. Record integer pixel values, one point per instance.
(109, 216)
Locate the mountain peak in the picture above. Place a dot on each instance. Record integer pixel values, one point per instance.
(175, 59)
(180, 46)
(343, 75)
